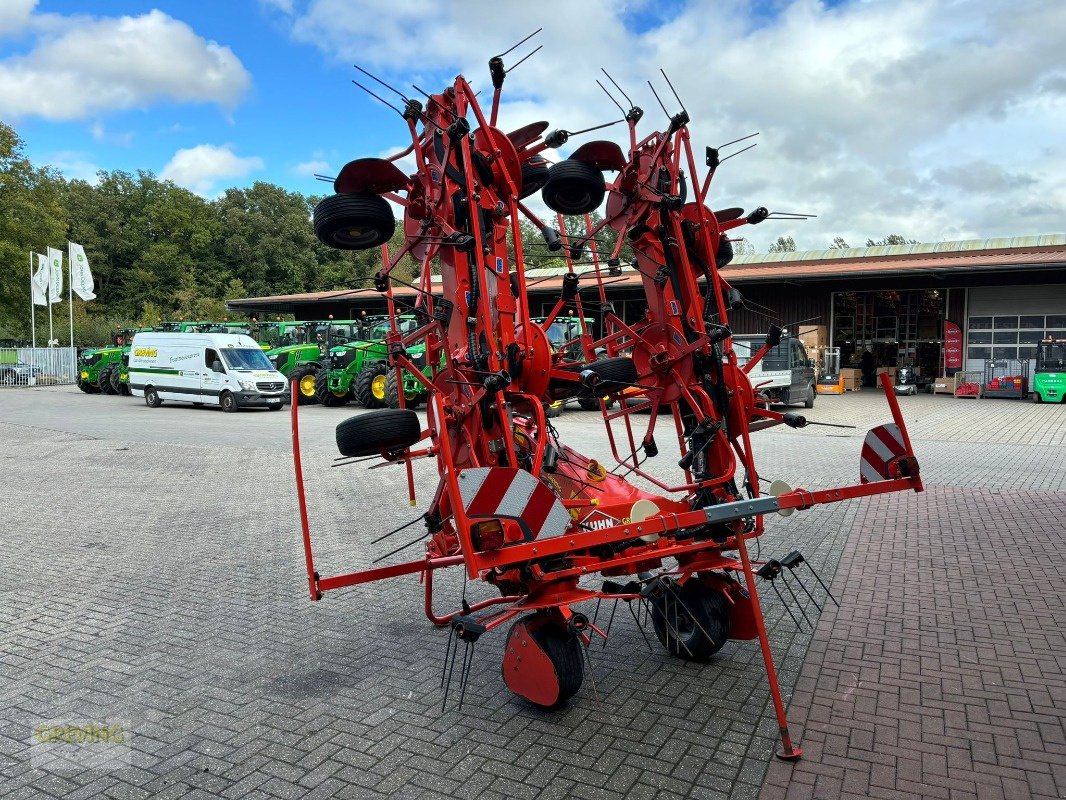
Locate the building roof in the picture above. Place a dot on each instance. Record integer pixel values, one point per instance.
(971, 256)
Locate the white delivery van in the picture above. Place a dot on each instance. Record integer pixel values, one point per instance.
(785, 374)
(220, 369)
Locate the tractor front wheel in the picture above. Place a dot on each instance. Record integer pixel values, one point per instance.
(324, 394)
(87, 387)
(305, 384)
(103, 380)
(370, 386)
(117, 386)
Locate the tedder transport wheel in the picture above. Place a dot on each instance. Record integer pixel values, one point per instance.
(615, 375)
(103, 380)
(370, 386)
(392, 392)
(573, 187)
(675, 612)
(534, 176)
(356, 221)
(323, 393)
(542, 660)
(386, 429)
(305, 384)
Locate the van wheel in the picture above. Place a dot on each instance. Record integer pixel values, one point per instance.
(228, 402)
(384, 430)
(809, 402)
(152, 398)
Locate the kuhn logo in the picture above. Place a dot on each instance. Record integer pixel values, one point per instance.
(597, 520)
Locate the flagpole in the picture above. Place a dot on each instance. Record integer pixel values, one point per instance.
(49, 316)
(33, 311)
(70, 291)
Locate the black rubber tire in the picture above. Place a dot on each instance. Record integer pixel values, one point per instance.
(615, 374)
(709, 606)
(1037, 398)
(589, 403)
(103, 380)
(152, 398)
(392, 393)
(551, 411)
(278, 407)
(87, 387)
(573, 187)
(228, 402)
(564, 651)
(322, 393)
(385, 429)
(298, 375)
(363, 394)
(117, 386)
(809, 402)
(534, 176)
(356, 221)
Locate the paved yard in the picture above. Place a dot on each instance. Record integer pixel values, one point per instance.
(152, 572)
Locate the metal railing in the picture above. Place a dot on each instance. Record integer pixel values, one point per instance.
(38, 366)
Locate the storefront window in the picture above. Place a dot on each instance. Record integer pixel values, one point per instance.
(980, 337)
(1005, 337)
(981, 352)
(1009, 331)
(1005, 322)
(980, 323)
(1031, 322)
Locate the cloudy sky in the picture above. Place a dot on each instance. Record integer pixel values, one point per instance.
(937, 119)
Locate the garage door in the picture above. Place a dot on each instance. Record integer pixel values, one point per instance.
(1006, 322)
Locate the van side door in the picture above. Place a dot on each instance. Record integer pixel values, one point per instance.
(211, 381)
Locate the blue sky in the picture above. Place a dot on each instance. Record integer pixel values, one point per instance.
(932, 118)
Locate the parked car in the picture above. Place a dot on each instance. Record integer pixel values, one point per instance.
(18, 373)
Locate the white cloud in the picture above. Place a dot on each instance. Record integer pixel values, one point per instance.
(73, 165)
(199, 168)
(308, 169)
(84, 66)
(15, 15)
(931, 118)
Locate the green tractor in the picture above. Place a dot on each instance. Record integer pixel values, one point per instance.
(1049, 379)
(359, 370)
(104, 369)
(564, 338)
(299, 350)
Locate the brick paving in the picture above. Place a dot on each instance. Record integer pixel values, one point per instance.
(160, 581)
(944, 673)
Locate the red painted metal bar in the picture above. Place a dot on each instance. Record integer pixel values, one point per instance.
(393, 571)
(312, 576)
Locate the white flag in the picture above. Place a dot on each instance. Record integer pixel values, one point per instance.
(40, 280)
(81, 279)
(55, 262)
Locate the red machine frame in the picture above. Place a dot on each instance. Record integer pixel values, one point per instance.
(514, 504)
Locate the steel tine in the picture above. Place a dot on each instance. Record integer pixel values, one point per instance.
(640, 627)
(784, 580)
(671, 625)
(596, 613)
(451, 669)
(610, 622)
(447, 652)
(822, 584)
(468, 662)
(807, 591)
(592, 672)
(773, 585)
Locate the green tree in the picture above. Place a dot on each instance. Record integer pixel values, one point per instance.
(892, 238)
(31, 218)
(839, 244)
(784, 244)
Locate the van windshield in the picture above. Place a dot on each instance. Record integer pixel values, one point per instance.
(246, 358)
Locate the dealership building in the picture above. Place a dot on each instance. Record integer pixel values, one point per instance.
(1005, 295)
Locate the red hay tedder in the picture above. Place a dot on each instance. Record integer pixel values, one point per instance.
(514, 505)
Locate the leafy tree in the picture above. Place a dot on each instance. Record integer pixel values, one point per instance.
(784, 244)
(742, 247)
(839, 244)
(892, 238)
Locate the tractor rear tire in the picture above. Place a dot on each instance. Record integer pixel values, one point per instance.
(103, 380)
(355, 221)
(681, 637)
(323, 393)
(386, 429)
(573, 187)
(564, 651)
(370, 386)
(305, 378)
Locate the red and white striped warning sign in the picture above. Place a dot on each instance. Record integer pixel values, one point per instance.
(489, 492)
(883, 445)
